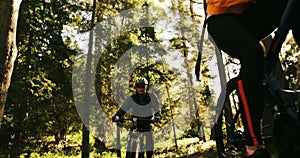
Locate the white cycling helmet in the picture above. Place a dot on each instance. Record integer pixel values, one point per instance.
(141, 81)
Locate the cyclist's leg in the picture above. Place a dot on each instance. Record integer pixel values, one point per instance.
(238, 40)
(149, 144)
(264, 17)
(131, 145)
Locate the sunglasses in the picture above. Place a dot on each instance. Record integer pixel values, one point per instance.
(140, 86)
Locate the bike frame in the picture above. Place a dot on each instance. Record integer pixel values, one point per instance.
(136, 148)
(284, 105)
(135, 139)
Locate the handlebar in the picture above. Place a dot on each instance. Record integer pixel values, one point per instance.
(134, 119)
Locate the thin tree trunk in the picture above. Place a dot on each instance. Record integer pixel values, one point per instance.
(193, 103)
(9, 10)
(172, 120)
(89, 67)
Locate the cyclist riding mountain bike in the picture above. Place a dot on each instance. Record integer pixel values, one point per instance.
(144, 106)
(237, 26)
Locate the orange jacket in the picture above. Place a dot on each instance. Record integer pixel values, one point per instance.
(228, 6)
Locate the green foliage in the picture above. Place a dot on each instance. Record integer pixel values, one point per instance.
(40, 99)
(40, 116)
(290, 62)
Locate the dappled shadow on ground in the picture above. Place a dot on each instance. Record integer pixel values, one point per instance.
(205, 150)
(204, 154)
(189, 148)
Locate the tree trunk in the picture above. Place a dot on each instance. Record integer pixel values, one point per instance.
(8, 48)
(85, 131)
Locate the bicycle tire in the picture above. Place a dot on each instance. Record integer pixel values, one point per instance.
(286, 136)
(135, 146)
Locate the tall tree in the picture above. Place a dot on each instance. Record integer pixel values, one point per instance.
(41, 88)
(85, 130)
(8, 48)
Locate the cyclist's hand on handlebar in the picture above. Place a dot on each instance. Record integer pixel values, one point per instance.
(155, 118)
(115, 118)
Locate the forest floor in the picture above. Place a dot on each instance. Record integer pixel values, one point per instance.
(191, 148)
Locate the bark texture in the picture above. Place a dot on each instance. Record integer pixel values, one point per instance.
(9, 12)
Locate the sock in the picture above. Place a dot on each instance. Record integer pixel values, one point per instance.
(249, 152)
